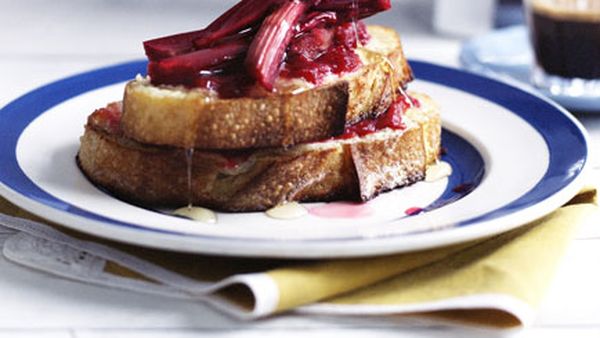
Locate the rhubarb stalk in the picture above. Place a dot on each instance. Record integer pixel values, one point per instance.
(345, 8)
(183, 69)
(267, 51)
(168, 46)
(241, 16)
(315, 19)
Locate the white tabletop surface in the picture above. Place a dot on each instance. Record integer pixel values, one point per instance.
(41, 41)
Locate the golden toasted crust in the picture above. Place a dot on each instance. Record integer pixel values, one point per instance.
(354, 169)
(192, 119)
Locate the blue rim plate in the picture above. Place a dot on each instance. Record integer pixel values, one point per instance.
(523, 155)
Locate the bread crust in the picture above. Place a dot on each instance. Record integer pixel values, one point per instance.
(354, 169)
(189, 118)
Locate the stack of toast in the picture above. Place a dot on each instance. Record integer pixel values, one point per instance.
(348, 135)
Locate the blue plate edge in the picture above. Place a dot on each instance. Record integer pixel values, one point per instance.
(418, 66)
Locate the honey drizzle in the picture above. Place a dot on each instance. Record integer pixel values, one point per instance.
(198, 214)
(189, 158)
(390, 71)
(391, 74)
(354, 10)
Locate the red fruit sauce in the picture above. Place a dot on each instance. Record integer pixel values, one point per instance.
(269, 38)
(463, 188)
(325, 50)
(235, 158)
(413, 211)
(108, 118)
(392, 119)
(227, 84)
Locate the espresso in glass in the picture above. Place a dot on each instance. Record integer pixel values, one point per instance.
(565, 36)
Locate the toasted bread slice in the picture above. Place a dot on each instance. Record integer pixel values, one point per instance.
(352, 169)
(297, 113)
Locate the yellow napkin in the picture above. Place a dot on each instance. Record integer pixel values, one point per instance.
(495, 282)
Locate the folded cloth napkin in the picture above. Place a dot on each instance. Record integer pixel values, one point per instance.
(495, 282)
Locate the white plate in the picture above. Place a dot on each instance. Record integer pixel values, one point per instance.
(515, 156)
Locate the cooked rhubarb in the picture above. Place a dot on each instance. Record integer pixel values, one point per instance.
(309, 39)
(241, 16)
(184, 69)
(354, 9)
(325, 51)
(312, 45)
(347, 33)
(267, 50)
(316, 19)
(232, 82)
(169, 46)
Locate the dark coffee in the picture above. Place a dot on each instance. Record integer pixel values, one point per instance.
(567, 43)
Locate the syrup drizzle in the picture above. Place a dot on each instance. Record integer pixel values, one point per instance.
(197, 214)
(189, 158)
(402, 92)
(390, 69)
(354, 10)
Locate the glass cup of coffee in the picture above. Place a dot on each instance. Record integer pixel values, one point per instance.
(565, 35)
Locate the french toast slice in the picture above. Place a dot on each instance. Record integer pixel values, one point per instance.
(297, 113)
(356, 168)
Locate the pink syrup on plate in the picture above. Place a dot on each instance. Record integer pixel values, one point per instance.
(342, 210)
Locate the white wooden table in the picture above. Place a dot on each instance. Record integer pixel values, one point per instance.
(41, 41)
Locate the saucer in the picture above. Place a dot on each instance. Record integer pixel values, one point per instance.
(505, 54)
